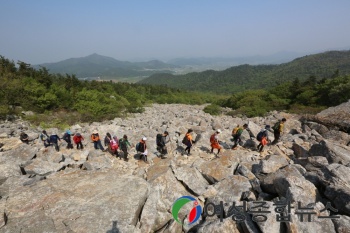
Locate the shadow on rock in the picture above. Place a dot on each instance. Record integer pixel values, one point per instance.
(114, 228)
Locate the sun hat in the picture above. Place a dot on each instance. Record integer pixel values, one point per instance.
(144, 139)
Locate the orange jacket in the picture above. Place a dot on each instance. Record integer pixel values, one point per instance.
(95, 137)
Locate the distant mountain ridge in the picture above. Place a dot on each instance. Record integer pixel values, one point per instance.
(244, 77)
(277, 58)
(96, 65)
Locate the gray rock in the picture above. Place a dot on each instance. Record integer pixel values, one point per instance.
(342, 224)
(231, 189)
(338, 191)
(315, 225)
(272, 163)
(165, 190)
(319, 128)
(217, 169)
(268, 181)
(333, 152)
(215, 226)
(21, 154)
(338, 115)
(300, 151)
(192, 178)
(83, 201)
(42, 168)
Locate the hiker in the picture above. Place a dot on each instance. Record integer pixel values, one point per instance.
(54, 141)
(24, 137)
(161, 144)
(187, 140)
(214, 142)
(45, 138)
(124, 143)
(263, 138)
(78, 138)
(277, 130)
(237, 132)
(142, 147)
(68, 139)
(96, 140)
(114, 145)
(107, 141)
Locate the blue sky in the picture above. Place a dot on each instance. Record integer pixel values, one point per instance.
(39, 31)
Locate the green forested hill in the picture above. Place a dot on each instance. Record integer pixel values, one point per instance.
(96, 65)
(246, 77)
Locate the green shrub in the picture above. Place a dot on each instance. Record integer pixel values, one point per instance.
(213, 109)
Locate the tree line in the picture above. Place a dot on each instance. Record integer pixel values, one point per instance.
(309, 96)
(24, 88)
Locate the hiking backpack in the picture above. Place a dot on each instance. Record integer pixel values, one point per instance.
(159, 140)
(66, 137)
(138, 145)
(212, 138)
(276, 126)
(44, 137)
(260, 135)
(185, 140)
(235, 130)
(121, 142)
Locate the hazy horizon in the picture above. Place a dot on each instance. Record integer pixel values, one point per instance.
(50, 31)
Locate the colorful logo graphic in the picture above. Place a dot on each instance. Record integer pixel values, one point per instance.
(195, 212)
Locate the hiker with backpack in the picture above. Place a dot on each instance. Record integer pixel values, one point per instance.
(214, 142)
(278, 129)
(188, 141)
(45, 138)
(237, 132)
(54, 141)
(263, 138)
(107, 141)
(95, 137)
(67, 138)
(78, 138)
(142, 147)
(161, 144)
(124, 144)
(24, 137)
(114, 146)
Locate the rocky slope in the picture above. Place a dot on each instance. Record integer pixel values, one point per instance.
(91, 191)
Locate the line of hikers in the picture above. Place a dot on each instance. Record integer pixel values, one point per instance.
(113, 144)
(262, 136)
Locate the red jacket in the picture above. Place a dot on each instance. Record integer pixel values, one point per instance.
(77, 139)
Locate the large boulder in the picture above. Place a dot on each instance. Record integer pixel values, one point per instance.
(165, 190)
(216, 226)
(338, 191)
(192, 178)
(315, 224)
(334, 153)
(77, 202)
(272, 163)
(342, 224)
(231, 189)
(338, 115)
(218, 169)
